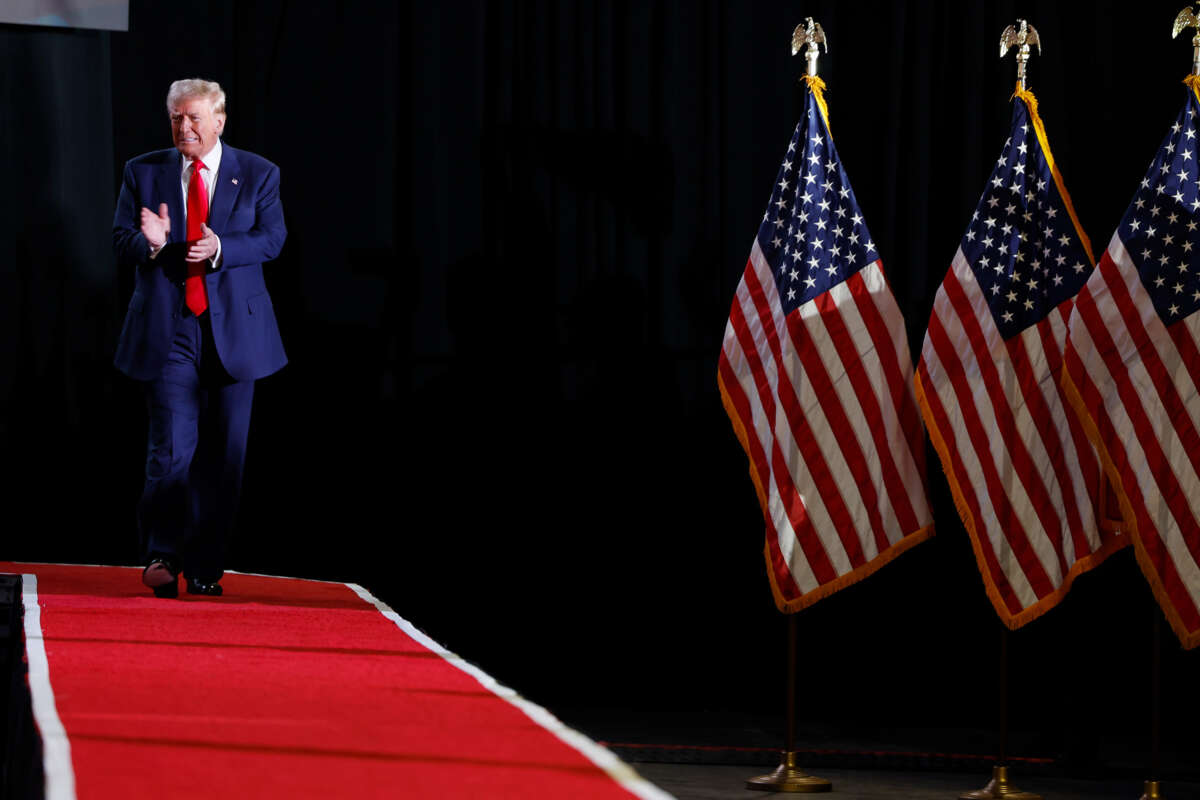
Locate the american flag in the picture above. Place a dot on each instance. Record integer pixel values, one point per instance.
(816, 376)
(1132, 367)
(1025, 478)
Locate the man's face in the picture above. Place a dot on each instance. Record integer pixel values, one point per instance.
(194, 126)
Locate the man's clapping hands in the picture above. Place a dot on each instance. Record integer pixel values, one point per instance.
(156, 227)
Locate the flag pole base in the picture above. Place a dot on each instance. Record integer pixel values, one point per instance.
(1152, 791)
(788, 777)
(999, 786)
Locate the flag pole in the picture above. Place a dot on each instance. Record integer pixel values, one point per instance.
(788, 777)
(1018, 38)
(999, 786)
(1151, 789)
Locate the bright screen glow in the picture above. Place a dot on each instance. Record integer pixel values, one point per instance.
(112, 15)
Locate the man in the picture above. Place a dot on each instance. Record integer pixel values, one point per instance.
(196, 222)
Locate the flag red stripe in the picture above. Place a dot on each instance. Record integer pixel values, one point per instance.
(901, 404)
(1087, 472)
(1003, 426)
(1158, 464)
(1170, 406)
(1045, 422)
(1006, 519)
(843, 342)
(1158, 557)
(783, 580)
(967, 495)
(806, 535)
(822, 387)
(1087, 308)
(741, 405)
(1089, 392)
(898, 378)
(1185, 345)
(802, 528)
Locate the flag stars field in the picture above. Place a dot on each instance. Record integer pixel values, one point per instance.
(813, 200)
(1028, 230)
(1160, 226)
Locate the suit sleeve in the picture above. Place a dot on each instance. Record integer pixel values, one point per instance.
(129, 245)
(264, 240)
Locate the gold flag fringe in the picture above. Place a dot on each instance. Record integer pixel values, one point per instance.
(1013, 621)
(1188, 639)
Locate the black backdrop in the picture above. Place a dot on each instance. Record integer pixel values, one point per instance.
(515, 230)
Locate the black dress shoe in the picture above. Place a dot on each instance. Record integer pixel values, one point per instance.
(162, 575)
(200, 587)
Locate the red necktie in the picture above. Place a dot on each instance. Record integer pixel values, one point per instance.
(195, 292)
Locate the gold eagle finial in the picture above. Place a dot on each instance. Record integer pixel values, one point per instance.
(1186, 19)
(1021, 37)
(809, 33)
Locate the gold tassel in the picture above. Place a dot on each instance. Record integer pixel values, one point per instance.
(817, 87)
(1193, 83)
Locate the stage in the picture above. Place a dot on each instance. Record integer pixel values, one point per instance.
(301, 688)
(280, 688)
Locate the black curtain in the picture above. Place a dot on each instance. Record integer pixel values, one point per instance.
(515, 231)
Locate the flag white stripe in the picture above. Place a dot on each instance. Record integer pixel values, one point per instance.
(910, 473)
(1026, 428)
(1162, 426)
(784, 533)
(1049, 387)
(1164, 345)
(986, 522)
(779, 435)
(810, 407)
(1011, 485)
(829, 440)
(861, 421)
(1159, 512)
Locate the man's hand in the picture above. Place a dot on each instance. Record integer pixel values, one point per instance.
(203, 248)
(156, 227)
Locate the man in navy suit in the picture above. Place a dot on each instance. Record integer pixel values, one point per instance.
(196, 222)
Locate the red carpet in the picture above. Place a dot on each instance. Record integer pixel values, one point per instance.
(281, 688)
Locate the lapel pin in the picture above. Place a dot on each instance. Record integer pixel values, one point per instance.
(235, 181)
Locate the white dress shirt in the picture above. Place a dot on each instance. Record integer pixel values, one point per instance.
(212, 163)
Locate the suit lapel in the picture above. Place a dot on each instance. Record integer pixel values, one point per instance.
(168, 187)
(229, 183)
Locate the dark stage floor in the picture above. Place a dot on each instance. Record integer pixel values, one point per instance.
(725, 782)
(709, 756)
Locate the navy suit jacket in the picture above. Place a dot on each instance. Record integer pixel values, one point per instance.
(247, 216)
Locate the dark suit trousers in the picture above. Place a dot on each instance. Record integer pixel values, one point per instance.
(196, 450)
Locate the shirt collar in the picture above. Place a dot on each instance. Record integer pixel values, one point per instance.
(211, 159)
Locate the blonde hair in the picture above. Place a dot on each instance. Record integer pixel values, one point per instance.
(196, 87)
